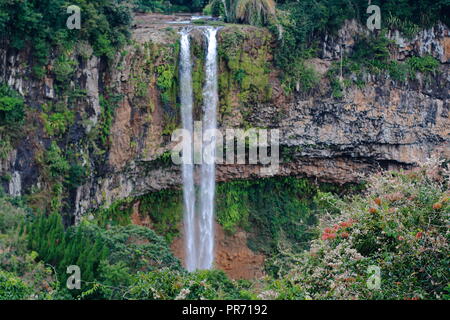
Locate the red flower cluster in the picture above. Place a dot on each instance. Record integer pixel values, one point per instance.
(437, 206)
(331, 233)
(419, 235)
(326, 236)
(346, 224)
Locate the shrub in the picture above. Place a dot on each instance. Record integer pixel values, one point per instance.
(423, 64)
(11, 107)
(272, 209)
(57, 123)
(63, 68)
(169, 284)
(5, 147)
(396, 226)
(150, 5)
(255, 12)
(55, 161)
(97, 251)
(165, 209)
(12, 288)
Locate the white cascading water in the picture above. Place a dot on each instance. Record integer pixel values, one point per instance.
(188, 166)
(199, 228)
(208, 174)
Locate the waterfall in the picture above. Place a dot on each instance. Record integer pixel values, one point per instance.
(208, 177)
(188, 166)
(15, 185)
(199, 225)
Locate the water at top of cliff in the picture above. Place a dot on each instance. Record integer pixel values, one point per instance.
(192, 19)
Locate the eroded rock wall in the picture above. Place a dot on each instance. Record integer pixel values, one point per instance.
(381, 124)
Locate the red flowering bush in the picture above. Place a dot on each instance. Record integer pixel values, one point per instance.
(403, 232)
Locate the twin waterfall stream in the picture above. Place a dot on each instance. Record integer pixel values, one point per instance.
(199, 219)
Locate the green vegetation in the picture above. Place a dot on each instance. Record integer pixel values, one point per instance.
(244, 76)
(95, 250)
(55, 168)
(5, 147)
(163, 63)
(371, 55)
(12, 105)
(12, 116)
(56, 119)
(124, 262)
(198, 73)
(12, 288)
(63, 69)
(108, 104)
(254, 12)
(166, 82)
(169, 6)
(24, 275)
(166, 284)
(423, 64)
(41, 25)
(399, 225)
(150, 5)
(300, 26)
(270, 209)
(117, 214)
(61, 173)
(165, 210)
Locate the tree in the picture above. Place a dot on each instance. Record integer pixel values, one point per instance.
(12, 287)
(254, 12)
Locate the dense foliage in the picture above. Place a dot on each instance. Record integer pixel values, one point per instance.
(301, 25)
(25, 277)
(255, 12)
(12, 288)
(11, 107)
(399, 225)
(128, 262)
(271, 209)
(95, 250)
(41, 25)
(12, 115)
(164, 6)
(371, 55)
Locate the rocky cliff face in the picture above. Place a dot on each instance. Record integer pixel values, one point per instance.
(384, 123)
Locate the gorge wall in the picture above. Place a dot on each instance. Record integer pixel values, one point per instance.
(125, 110)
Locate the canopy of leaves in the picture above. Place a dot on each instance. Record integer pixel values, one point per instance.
(41, 24)
(11, 107)
(399, 225)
